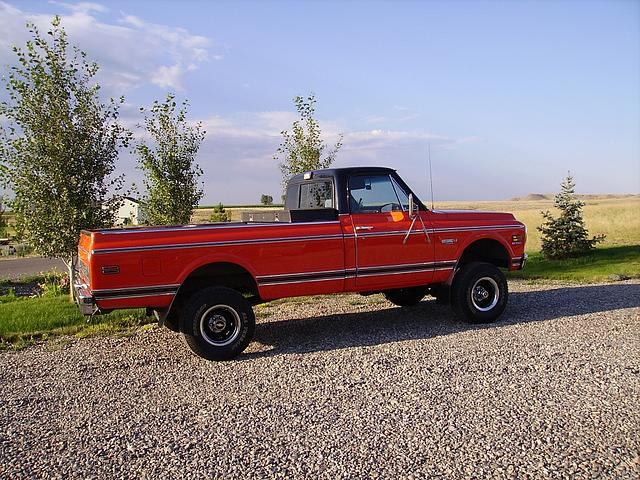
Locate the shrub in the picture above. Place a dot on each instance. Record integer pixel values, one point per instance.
(266, 199)
(566, 236)
(54, 284)
(8, 297)
(220, 214)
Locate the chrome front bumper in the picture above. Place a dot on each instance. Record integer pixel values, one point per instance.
(520, 262)
(84, 299)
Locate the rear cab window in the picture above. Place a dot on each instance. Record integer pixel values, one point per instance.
(315, 195)
(312, 201)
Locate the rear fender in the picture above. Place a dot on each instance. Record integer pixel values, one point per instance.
(169, 317)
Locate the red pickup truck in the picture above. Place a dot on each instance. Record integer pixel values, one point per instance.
(350, 230)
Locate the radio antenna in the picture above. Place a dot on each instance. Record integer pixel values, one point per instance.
(430, 174)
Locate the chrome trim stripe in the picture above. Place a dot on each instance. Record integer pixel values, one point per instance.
(143, 295)
(468, 229)
(378, 274)
(326, 275)
(170, 286)
(285, 282)
(301, 277)
(440, 230)
(322, 272)
(174, 246)
(190, 227)
(389, 233)
(135, 292)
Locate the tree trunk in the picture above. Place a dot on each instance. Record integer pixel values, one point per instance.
(72, 276)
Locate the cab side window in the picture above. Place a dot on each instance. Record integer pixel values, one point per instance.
(373, 194)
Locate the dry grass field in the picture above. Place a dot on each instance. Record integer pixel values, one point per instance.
(203, 214)
(616, 216)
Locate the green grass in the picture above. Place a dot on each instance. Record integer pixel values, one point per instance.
(24, 320)
(598, 266)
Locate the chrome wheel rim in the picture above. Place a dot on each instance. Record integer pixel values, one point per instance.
(220, 325)
(485, 294)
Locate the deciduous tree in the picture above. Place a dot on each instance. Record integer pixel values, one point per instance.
(168, 161)
(303, 149)
(60, 144)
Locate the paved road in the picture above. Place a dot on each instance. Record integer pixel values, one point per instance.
(16, 268)
(343, 387)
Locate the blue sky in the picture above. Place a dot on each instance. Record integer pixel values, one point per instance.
(510, 95)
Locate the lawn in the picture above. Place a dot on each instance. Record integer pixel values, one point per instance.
(603, 264)
(23, 320)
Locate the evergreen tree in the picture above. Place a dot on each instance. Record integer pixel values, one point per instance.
(566, 236)
(219, 214)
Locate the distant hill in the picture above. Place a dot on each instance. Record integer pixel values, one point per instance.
(532, 196)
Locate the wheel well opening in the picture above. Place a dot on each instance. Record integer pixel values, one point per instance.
(486, 250)
(221, 274)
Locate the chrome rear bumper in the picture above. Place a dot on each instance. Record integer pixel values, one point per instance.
(84, 299)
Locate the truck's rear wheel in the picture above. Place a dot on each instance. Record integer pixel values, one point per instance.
(479, 293)
(217, 323)
(406, 297)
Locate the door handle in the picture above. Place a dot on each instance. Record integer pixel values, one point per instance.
(363, 227)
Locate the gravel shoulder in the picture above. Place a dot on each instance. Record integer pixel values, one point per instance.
(343, 387)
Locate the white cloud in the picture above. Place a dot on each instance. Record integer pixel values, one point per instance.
(131, 51)
(83, 7)
(169, 77)
(237, 154)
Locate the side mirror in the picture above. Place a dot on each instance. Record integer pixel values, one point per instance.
(413, 208)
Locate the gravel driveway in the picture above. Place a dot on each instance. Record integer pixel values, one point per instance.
(345, 387)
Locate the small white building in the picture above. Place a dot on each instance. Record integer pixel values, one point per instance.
(130, 213)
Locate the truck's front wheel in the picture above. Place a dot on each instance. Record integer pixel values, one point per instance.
(218, 323)
(479, 292)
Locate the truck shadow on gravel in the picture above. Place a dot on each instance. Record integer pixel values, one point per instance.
(430, 319)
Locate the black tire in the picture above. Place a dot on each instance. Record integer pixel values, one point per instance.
(217, 323)
(406, 297)
(479, 293)
(442, 294)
